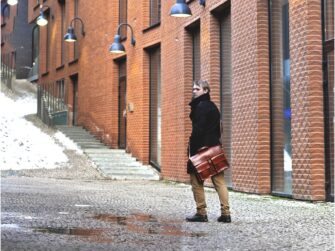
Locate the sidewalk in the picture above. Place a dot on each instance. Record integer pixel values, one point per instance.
(54, 214)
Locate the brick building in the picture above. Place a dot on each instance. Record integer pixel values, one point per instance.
(270, 64)
(16, 41)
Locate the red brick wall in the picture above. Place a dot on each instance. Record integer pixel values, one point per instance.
(307, 100)
(98, 84)
(251, 124)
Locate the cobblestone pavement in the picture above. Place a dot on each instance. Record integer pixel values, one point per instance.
(43, 213)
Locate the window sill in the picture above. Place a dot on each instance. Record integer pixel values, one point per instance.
(151, 27)
(45, 74)
(36, 7)
(60, 67)
(74, 61)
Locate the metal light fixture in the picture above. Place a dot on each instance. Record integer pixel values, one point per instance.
(41, 20)
(116, 46)
(70, 36)
(12, 2)
(3, 8)
(181, 9)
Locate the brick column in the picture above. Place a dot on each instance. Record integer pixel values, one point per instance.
(307, 100)
(250, 101)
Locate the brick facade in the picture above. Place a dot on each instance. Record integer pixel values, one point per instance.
(98, 83)
(16, 38)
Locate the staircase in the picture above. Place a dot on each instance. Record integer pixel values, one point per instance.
(113, 163)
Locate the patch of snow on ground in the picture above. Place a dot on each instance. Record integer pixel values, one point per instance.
(23, 145)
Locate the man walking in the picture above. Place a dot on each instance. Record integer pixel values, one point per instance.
(205, 118)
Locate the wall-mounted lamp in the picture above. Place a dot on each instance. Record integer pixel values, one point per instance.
(181, 9)
(3, 9)
(41, 20)
(70, 36)
(116, 46)
(12, 2)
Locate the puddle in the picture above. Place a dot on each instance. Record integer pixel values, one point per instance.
(70, 231)
(121, 220)
(148, 224)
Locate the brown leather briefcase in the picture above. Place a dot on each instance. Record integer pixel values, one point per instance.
(209, 161)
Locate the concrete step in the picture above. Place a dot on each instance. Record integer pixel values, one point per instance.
(128, 170)
(132, 177)
(120, 165)
(82, 141)
(90, 146)
(107, 151)
(112, 158)
(114, 163)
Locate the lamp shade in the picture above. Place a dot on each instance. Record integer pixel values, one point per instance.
(41, 20)
(12, 2)
(70, 36)
(116, 46)
(180, 9)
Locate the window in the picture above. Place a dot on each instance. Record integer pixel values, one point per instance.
(122, 141)
(155, 12)
(196, 54)
(35, 51)
(62, 32)
(226, 86)
(60, 95)
(155, 106)
(123, 18)
(281, 154)
(328, 75)
(76, 44)
(48, 44)
(45, 38)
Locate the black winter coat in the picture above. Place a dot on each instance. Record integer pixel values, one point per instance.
(205, 118)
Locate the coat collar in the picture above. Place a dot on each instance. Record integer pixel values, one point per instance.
(196, 101)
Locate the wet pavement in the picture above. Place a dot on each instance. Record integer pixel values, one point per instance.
(58, 214)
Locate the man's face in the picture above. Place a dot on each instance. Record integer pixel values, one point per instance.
(197, 91)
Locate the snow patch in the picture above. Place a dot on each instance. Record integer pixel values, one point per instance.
(22, 144)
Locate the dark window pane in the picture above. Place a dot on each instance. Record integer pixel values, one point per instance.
(329, 19)
(280, 98)
(76, 28)
(196, 54)
(155, 107)
(123, 17)
(226, 88)
(122, 104)
(155, 11)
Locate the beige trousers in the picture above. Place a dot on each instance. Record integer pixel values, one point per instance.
(199, 193)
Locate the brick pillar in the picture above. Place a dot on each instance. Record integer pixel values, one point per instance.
(250, 101)
(307, 100)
